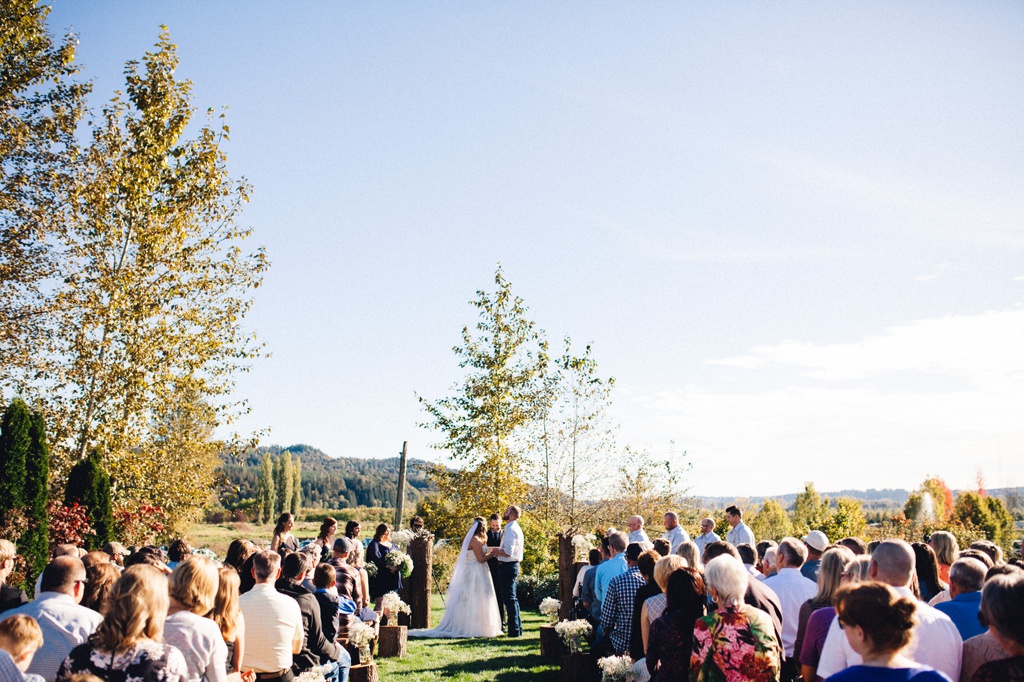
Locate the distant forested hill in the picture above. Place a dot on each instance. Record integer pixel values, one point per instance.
(331, 482)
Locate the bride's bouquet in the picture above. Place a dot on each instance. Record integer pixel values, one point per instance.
(392, 603)
(615, 668)
(549, 607)
(399, 560)
(572, 631)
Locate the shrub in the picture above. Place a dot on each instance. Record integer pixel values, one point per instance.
(531, 589)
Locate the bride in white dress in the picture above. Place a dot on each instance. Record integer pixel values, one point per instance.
(472, 609)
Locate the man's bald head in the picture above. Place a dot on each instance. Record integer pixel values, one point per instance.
(893, 563)
(64, 574)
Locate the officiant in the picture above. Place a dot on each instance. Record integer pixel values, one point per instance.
(494, 540)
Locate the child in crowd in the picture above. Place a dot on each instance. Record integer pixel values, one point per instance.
(21, 637)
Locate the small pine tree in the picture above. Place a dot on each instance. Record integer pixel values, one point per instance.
(267, 490)
(15, 442)
(89, 486)
(35, 543)
(296, 506)
(283, 471)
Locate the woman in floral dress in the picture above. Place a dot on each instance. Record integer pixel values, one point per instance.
(737, 641)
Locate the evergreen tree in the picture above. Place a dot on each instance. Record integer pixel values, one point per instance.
(283, 479)
(89, 486)
(267, 491)
(296, 505)
(15, 442)
(34, 545)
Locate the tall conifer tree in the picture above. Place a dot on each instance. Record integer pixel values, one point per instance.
(296, 506)
(89, 485)
(35, 543)
(15, 440)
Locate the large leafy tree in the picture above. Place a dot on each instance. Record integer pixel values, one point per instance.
(771, 522)
(40, 108)
(147, 320)
(483, 422)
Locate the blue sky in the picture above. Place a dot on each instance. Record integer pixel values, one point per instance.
(793, 233)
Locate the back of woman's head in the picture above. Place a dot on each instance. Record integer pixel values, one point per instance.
(645, 564)
(148, 555)
(887, 618)
(664, 567)
(830, 573)
(857, 570)
(994, 551)
(1002, 603)
(100, 578)
(194, 584)
(927, 566)
(225, 606)
(685, 588)
(726, 575)
(594, 556)
(136, 609)
(238, 552)
(479, 526)
(690, 552)
(945, 545)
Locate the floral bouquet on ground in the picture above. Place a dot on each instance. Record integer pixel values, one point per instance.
(615, 668)
(572, 631)
(402, 538)
(399, 560)
(391, 603)
(549, 607)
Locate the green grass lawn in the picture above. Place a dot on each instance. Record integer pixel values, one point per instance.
(474, 660)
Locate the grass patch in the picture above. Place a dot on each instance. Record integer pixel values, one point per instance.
(217, 537)
(474, 660)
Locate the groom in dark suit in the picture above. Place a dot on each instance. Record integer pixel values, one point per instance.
(494, 540)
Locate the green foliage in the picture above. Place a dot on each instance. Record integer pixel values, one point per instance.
(533, 589)
(267, 489)
(283, 481)
(845, 520)
(540, 546)
(810, 511)
(89, 486)
(35, 543)
(988, 514)
(771, 522)
(645, 486)
(15, 443)
(296, 505)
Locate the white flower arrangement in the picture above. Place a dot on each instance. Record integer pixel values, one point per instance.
(615, 668)
(549, 607)
(371, 569)
(581, 545)
(399, 560)
(572, 631)
(360, 634)
(315, 674)
(402, 538)
(392, 603)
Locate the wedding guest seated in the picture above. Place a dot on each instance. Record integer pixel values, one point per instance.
(178, 551)
(768, 563)
(316, 649)
(347, 576)
(10, 597)
(117, 552)
(273, 623)
(149, 556)
(981, 649)
(671, 635)
(947, 551)
(594, 558)
(238, 552)
(228, 617)
(100, 578)
(830, 577)
(610, 569)
(816, 542)
(793, 589)
(645, 565)
(193, 591)
(819, 622)
(21, 637)
(756, 595)
(927, 567)
(691, 554)
(966, 578)
(1002, 603)
(762, 549)
(748, 555)
(617, 605)
(662, 546)
(128, 645)
(57, 608)
(878, 624)
(337, 613)
(994, 551)
(736, 641)
(654, 607)
(588, 594)
(984, 558)
(855, 545)
(936, 642)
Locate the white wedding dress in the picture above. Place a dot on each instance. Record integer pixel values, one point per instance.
(472, 610)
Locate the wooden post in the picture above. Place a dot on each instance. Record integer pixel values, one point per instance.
(417, 589)
(400, 497)
(364, 672)
(580, 668)
(551, 644)
(566, 574)
(393, 640)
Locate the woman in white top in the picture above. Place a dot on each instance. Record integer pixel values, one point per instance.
(655, 606)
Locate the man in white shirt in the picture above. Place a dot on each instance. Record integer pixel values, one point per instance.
(707, 535)
(64, 622)
(637, 533)
(273, 623)
(509, 554)
(793, 590)
(740, 531)
(674, 533)
(936, 641)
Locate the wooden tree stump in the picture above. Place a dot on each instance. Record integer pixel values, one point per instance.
(421, 549)
(580, 668)
(393, 640)
(364, 672)
(551, 645)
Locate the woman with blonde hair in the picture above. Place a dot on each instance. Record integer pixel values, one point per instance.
(193, 592)
(128, 644)
(230, 621)
(689, 551)
(947, 550)
(830, 577)
(809, 654)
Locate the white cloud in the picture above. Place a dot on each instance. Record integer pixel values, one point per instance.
(943, 396)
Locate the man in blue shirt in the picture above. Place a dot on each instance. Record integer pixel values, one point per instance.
(966, 578)
(610, 569)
